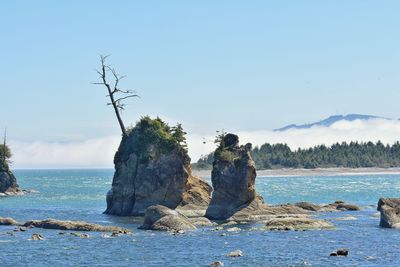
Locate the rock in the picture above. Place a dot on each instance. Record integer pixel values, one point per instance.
(80, 235)
(347, 207)
(234, 229)
(235, 254)
(339, 206)
(8, 183)
(73, 225)
(201, 221)
(340, 252)
(37, 237)
(346, 218)
(296, 223)
(233, 179)
(217, 264)
(376, 215)
(390, 212)
(8, 221)
(308, 206)
(152, 167)
(20, 229)
(161, 218)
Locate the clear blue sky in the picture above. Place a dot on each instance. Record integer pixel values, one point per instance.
(237, 65)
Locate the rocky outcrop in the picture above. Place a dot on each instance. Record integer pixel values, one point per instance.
(63, 225)
(390, 212)
(297, 224)
(8, 182)
(73, 226)
(233, 179)
(161, 218)
(8, 221)
(152, 167)
(336, 206)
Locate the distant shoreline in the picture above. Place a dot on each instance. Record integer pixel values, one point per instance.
(314, 172)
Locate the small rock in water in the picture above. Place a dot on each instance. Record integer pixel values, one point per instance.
(20, 229)
(340, 252)
(346, 218)
(37, 237)
(84, 236)
(233, 229)
(234, 254)
(217, 264)
(115, 234)
(376, 215)
(80, 235)
(61, 233)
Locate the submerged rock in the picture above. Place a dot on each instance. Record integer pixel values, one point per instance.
(161, 218)
(152, 167)
(390, 212)
(217, 264)
(74, 226)
(296, 223)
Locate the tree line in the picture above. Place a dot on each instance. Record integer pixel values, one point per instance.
(351, 155)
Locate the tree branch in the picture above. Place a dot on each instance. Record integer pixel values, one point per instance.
(116, 103)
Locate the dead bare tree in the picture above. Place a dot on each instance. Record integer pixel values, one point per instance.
(116, 94)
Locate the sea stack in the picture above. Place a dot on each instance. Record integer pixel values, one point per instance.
(390, 212)
(8, 182)
(233, 178)
(152, 167)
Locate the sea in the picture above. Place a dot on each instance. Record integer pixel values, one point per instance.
(80, 195)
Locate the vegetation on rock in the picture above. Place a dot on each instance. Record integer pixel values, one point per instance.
(5, 155)
(150, 138)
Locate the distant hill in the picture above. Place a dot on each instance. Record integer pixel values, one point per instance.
(329, 121)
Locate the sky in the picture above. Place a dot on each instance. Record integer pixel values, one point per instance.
(242, 66)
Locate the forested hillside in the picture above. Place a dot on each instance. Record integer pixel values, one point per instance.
(353, 155)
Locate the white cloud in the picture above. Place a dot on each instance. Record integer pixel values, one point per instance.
(92, 153)
(387, 131)
(99, 152)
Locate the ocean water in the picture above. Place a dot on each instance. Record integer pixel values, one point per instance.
(80, 195)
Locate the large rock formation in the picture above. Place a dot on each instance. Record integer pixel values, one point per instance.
(8, 182)
(233, 179)
(152, 167)
(390, 212)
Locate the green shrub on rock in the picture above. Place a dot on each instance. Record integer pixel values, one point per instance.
(150, 138)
